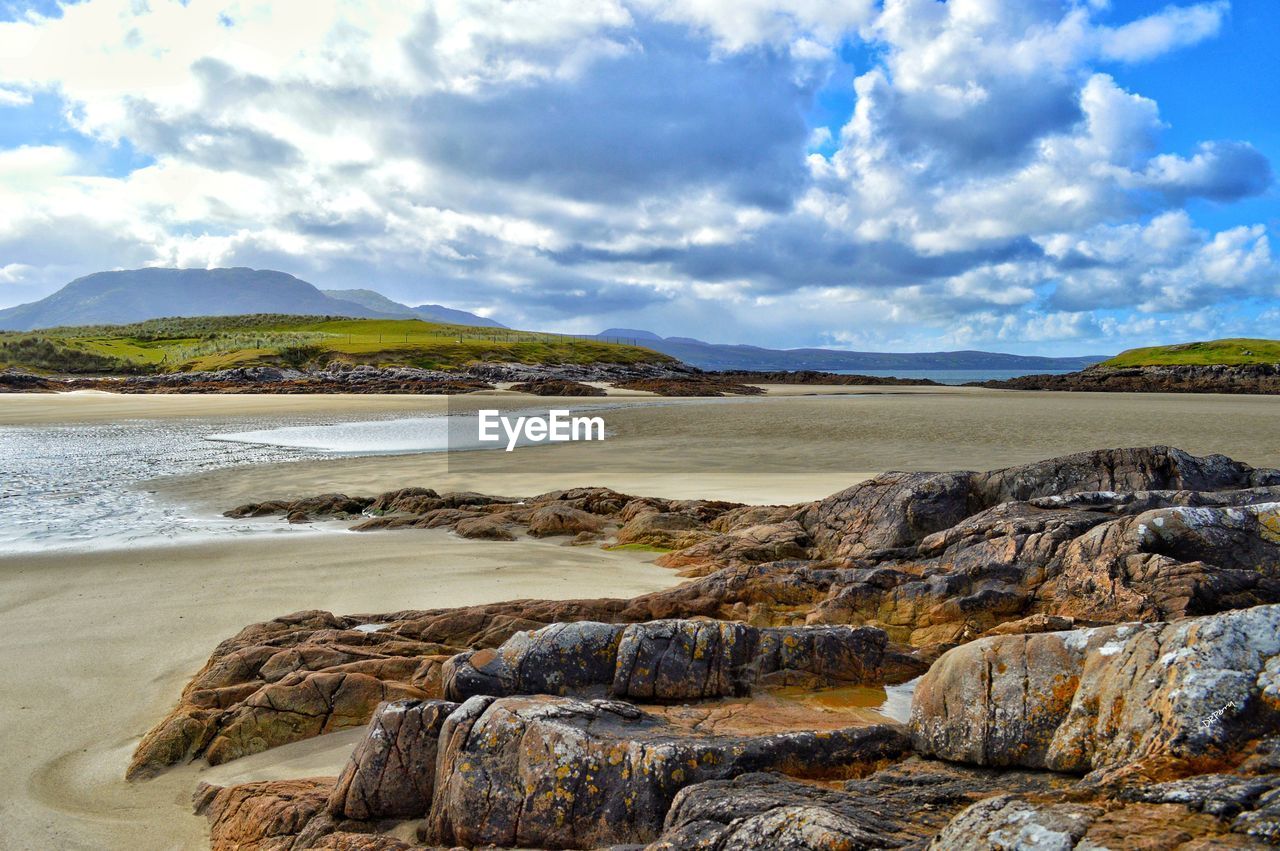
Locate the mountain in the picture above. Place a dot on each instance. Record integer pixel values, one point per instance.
(135, 295)
(429, 312)
(734, 357)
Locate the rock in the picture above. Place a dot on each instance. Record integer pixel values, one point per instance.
(901, 805)
(1155, 700)
(684, 659)
(329, 505)
(1032, 541)
(890, 511)
(750, 545)
(483, 528)
(833, 655)
(563, 658)
(705, 384)
(392, 770)
(565, 773)
(1260, 378)
(663, 530)
(263, 816)
(999, 701)
(1174, 699)
(1032, 624)
(557, 387)
(342, 841)
(1171, 562)
(672, 660)
(896, 510)
(562, 520)
(300, 706)
(1008, 822)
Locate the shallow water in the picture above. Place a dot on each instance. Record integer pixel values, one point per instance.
(953, 376)
(85, 486)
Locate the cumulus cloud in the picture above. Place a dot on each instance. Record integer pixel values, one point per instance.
(582, 163)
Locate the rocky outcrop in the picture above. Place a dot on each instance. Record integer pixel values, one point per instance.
(337, 377)
(1153, 700)
(392, 771)
(810, 376)
(563, 773)
(18, 381)
(702, 384)
(557, 387)
(275, 815)
(895, 807)
(1261, 378)
(675, 660)
(1100, 626)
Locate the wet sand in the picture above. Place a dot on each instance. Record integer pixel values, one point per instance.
(788, 449)
(98, 645)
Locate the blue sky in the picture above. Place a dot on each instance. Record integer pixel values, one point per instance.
(1057, 176)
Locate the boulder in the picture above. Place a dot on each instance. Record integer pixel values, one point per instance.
(684, 660)
(562, 520)
(302, 705)
(1006, 821)
(391, 773)
(1170, 562)
(563, 658)
(1157, 700)
(663, 530)
(552, 772)
(265, 816)
(674, 660)
(749, 545)
(484, 528)
(1013, 821)
(901, 805)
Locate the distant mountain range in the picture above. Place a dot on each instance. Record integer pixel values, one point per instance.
(113, 298)
(721, 356)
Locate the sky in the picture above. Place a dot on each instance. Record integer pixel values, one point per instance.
(1031, 176)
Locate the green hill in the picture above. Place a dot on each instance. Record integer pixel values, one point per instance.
(220, 342)
(1231, 351)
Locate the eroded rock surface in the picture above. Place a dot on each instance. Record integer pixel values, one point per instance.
(1110, 619)
(392, 771)
(675, 660)
(1154, 700)
(565, 773)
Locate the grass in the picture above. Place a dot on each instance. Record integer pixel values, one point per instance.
(1231, 351)
(221, 342)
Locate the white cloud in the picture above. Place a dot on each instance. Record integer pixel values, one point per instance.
(9, 97)
(1166, 30)
(13, 273)
(993, 184)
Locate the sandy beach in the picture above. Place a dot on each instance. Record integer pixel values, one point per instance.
(99, 644)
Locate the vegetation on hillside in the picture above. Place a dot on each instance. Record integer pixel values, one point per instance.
(1231, 351)
(220, 342)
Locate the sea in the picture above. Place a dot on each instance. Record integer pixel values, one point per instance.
(952, 376)
(86, 486)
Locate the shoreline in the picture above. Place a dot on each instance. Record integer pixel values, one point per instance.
(94, 677)
(107, 639)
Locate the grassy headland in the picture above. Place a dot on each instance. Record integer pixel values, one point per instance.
(221, 342)
(1232, 351)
